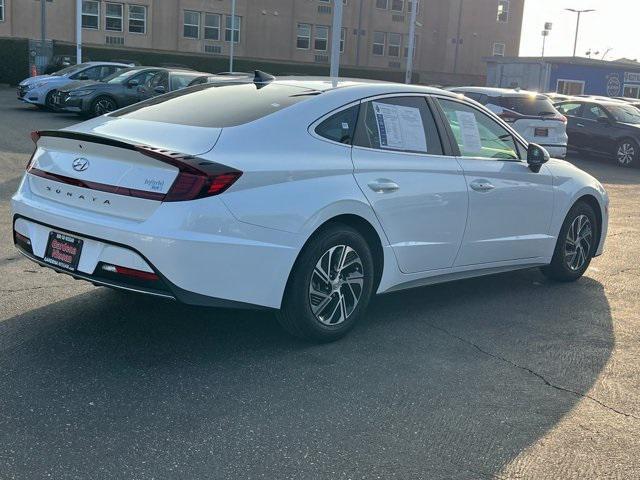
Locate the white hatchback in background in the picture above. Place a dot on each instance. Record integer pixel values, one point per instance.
(531, 114)
(302, 195)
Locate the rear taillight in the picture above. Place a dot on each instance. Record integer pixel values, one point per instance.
(197, 178)
(562, 118)
(35, 136)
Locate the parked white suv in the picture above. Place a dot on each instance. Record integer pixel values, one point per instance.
(531, 114)
(39, 90)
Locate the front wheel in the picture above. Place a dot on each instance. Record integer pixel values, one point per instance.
(576, 245)
(627, 153)
(102, 105)
(330, 285)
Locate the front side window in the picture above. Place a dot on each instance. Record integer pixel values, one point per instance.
(137, 19)
(303, 39)
(211, 26)
(401, 124)
(395, 40)
(593, 112)
(321, 39)
(113, 17)
(379, 42)
(340, 127)
(478, 135)
(235, 28)
(90, 14)
(503, 11)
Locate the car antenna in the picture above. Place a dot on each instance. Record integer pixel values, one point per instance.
(261, 78)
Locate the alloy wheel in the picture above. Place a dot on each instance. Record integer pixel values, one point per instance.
(626, 153)
(336, 285)
(104, 105)
(578, 243)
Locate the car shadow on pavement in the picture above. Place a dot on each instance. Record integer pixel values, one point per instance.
(450, 381)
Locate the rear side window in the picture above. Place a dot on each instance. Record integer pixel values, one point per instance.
(529, 105)
(403, 124)
(340, 127)
(217, 106)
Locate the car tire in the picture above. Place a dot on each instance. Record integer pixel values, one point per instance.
(627, 153)
(48, 101)
(330, 285)
(102, 105)
(576, 245)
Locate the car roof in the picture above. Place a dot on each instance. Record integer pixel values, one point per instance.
(495, 92)
(118, 64)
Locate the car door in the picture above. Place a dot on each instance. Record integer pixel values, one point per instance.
(596, 126)
(155, 85)
(572, 111)
(417, 191)
(133, 89)
(510, 207)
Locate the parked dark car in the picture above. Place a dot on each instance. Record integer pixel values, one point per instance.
(610, 128)
(169, 80)
(92, 98)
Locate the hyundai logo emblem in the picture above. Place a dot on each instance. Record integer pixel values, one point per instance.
(80, 164)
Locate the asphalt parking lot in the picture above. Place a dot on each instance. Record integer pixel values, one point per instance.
(509, 376)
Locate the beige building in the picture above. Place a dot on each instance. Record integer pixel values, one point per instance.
(452, 36)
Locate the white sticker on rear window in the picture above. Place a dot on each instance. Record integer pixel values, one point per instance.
(400, 128)
(469, 132)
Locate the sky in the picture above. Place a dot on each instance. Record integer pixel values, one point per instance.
(613, 25)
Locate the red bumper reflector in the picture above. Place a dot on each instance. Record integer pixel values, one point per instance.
(131, 272)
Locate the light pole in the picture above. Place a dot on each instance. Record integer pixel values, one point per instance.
(233, 34)
(336, 35)
(79, 31)
(412, 41)
(579, 12)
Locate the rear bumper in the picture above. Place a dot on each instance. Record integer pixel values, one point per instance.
(201, 253)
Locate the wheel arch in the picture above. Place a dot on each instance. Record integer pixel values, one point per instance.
(593, 202)
(104, 95)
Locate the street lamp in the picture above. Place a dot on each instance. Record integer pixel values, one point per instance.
(579, 12)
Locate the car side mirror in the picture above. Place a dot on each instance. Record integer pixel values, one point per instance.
(604, 121)
(160, 89)
(536, 157)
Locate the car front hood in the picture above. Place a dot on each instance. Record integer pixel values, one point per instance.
(79, 84)
(38, 79)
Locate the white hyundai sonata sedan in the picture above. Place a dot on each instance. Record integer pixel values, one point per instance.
(302, 196)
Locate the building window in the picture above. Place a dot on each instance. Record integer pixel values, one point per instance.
(303, 39)
(379, 41)
(211, 26)
(631, 91)
(90, 14)
(137, 19)
(503, 11)
(321, 38)
(1, 10)
(570, 87)
(343, 39)
(191, 24)
(498, 49)
(383, 4)
(235, 29)
(113, 17)
(410, 6)
(397, 5)
(395, 42)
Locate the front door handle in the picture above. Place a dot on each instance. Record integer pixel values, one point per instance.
(482, 186)
(581, 125)
(383, 185)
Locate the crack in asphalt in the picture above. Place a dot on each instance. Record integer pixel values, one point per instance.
(534, 373)
(14, 290)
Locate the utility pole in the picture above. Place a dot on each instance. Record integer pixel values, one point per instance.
(336, 34)
(579, 13)
(233, 34)
(412, 41)
(78, 31)
(457, 51)
(43, 34)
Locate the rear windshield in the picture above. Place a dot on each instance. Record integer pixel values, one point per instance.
(625, 114)
(530, 105)
(217, 106)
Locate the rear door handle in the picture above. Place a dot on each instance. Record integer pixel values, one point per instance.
(482, 186)
(383, 185)
(581, 125)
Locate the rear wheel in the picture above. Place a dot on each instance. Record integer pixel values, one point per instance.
(627, 153)
(102, 105)
(330, 286)
(576, 245)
